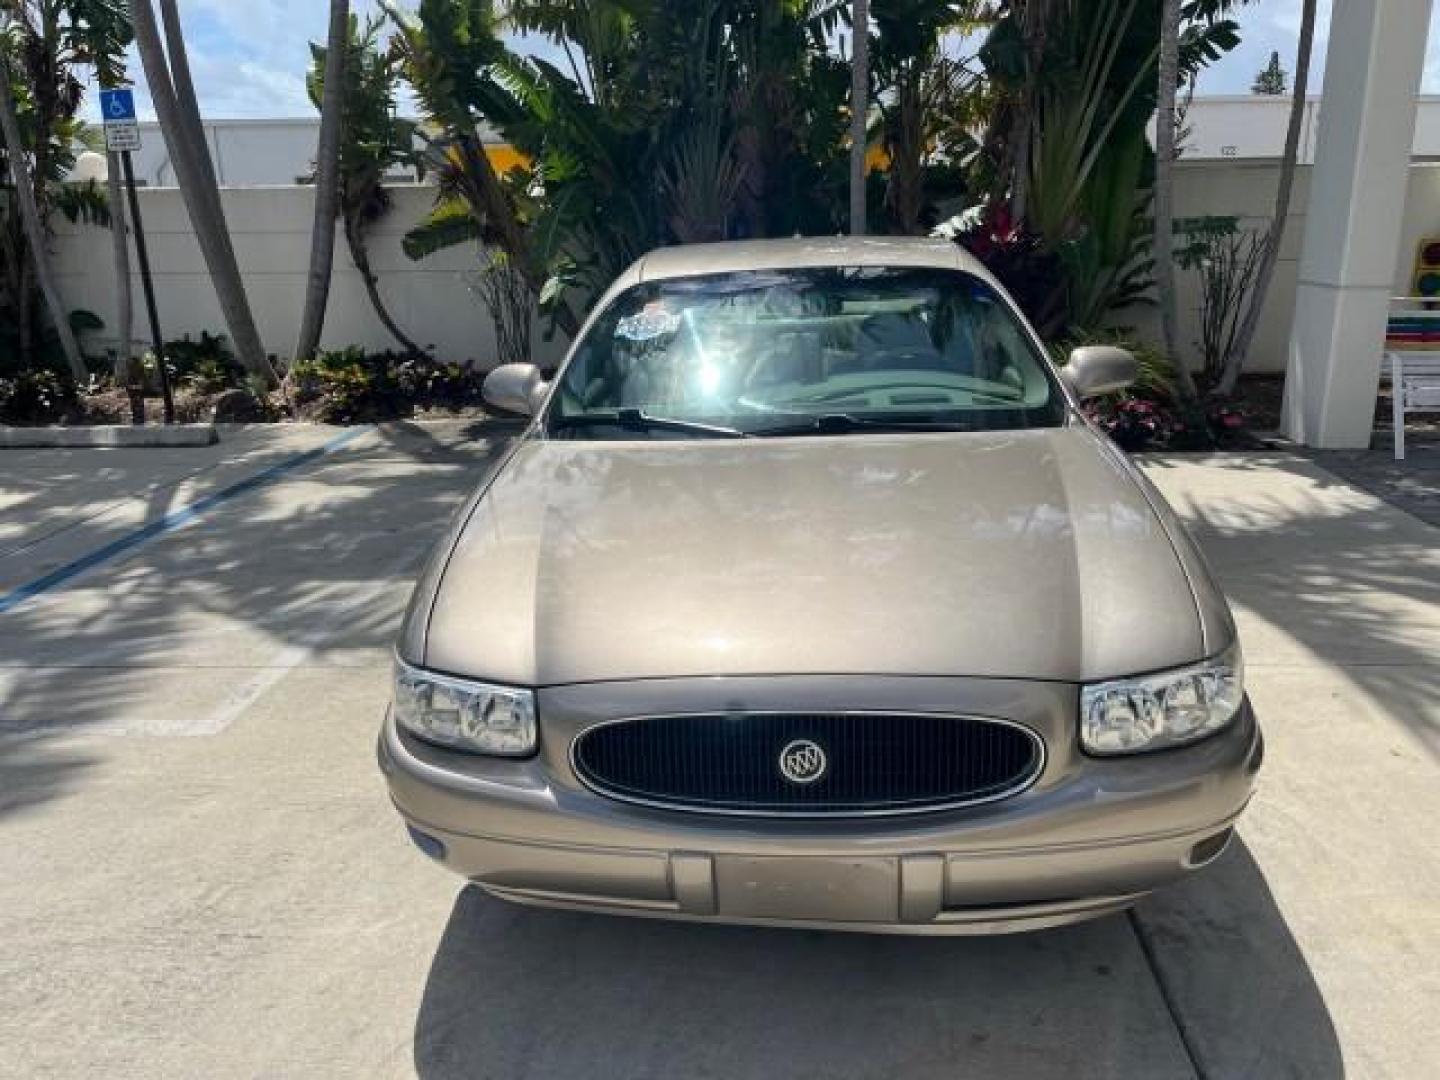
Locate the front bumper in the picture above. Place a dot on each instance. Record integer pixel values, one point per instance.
(1089, 838)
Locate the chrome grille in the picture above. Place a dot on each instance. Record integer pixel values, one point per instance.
(869, 763)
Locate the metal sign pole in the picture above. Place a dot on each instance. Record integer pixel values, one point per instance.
(142, 255)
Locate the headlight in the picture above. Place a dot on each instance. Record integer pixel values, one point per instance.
(464, 715)
(1154, 712)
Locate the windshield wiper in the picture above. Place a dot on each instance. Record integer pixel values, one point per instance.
(639, 420)
(840, 423)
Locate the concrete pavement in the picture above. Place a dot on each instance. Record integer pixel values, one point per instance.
(1337, 595)
(200, 874)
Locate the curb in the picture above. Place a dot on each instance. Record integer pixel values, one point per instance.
(113, 436)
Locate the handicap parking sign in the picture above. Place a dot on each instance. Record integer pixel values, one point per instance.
(117, 110)
(117, 104)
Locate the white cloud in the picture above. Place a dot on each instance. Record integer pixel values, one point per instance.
(249, 56)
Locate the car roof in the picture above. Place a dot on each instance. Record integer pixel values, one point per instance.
(689, 260)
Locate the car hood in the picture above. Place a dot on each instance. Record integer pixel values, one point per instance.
(1032, 554)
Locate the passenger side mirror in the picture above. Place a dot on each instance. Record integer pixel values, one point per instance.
(1099, 369)
(515, 388)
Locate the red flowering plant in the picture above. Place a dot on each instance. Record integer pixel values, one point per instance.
(1018, 258)
(1141, 422)
(1227, 417)
(1144, 417)
(1135, 423)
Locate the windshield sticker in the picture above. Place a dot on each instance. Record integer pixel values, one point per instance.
(651, 323)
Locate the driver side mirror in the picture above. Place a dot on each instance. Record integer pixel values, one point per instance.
(1099, 369)
(515, 388)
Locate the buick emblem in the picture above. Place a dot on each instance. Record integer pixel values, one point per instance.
(803, 762)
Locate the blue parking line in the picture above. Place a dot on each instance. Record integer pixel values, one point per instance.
(176, 519)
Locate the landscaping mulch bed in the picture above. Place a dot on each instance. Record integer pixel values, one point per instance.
(1261, 397)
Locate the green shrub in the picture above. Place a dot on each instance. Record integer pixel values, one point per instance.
(36, 397)
(349, 386)
(440, 386)
(1149, 416)
(336, 387)
(206, 365)
(46, 353)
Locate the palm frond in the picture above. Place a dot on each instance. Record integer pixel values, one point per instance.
(449, 224)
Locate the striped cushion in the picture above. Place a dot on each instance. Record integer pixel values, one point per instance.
(1413, 331)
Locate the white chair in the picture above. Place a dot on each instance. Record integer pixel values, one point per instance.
(1414, 372)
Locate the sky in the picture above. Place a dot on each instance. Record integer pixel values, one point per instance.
(249, 56)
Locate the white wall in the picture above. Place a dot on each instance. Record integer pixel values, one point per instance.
(245, 153)
(276, 152)
(271, 231)
(1244, 128)
(431, 300)
(1252, 126)
(1244, 190)
(248, 153)
(1247, 190)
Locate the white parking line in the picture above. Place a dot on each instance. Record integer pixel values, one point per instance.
(312, 641)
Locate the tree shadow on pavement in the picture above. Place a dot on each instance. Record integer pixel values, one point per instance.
(1320, 576)
(520, 992)
(32, 771)
(316, 565)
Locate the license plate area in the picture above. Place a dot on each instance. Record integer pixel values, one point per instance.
(823, 889)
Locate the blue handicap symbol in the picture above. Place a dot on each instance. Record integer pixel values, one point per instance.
(117, 104)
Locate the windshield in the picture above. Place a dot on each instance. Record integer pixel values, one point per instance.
(829, 350)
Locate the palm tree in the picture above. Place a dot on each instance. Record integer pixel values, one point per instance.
(175, 104)
(1033, 18)
(327, 186)
(35, 235)
(455, 58)
(859, 112)
(1169, 76)
(1235, 359)
(929, 102)
(373, 140)
(54, 46)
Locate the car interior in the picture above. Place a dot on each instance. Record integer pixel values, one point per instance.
(890, 348)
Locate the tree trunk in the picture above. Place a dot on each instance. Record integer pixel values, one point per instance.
(35, 237)
(1164, 191)
(188, 110)
(1035, 22)
(1240, 350)
(12, 284)
(124, 302)
(355, 239)
(190, 156)
(859, 112)
(905, 143)
(25, 304)
(327, 182)
(183, 87)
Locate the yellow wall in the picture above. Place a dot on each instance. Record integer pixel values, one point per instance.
(505, 157)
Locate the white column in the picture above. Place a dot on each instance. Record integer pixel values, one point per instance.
(1352, 224)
